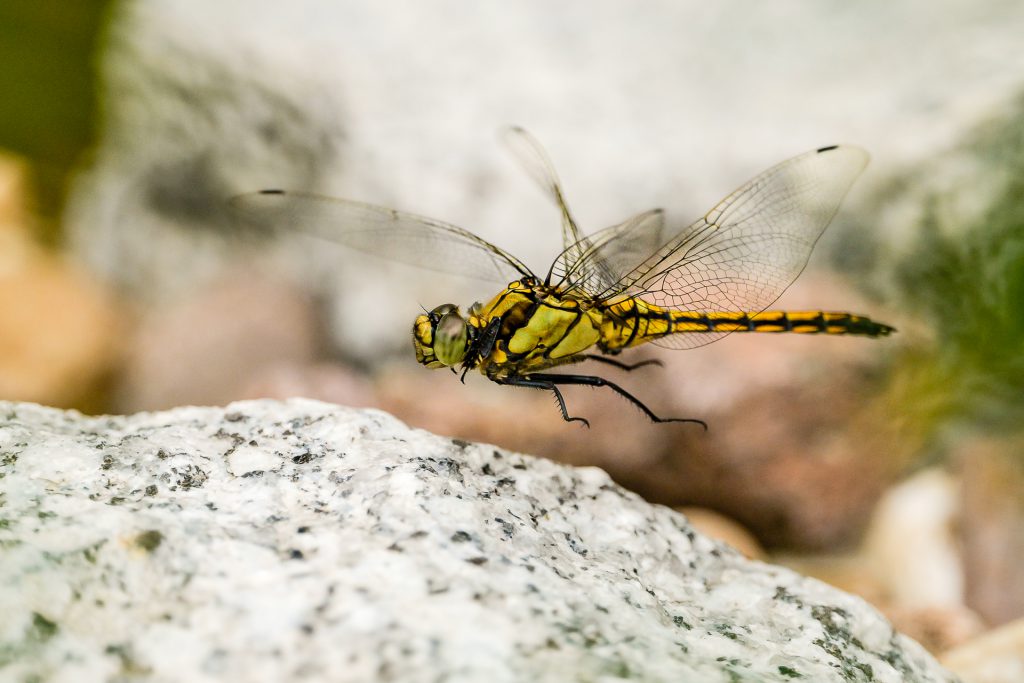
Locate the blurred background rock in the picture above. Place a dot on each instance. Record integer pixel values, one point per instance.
(127, 285)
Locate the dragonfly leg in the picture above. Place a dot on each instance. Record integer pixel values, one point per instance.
(623, 366)
(594, 381)
(544, 384)
(480, 346)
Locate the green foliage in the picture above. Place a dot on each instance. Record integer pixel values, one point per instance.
(969, 281)
(48, 81)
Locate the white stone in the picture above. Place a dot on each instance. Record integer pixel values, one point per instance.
(994, 657)
(300, 541)
(913, 544)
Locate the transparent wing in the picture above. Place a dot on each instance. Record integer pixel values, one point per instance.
(535, 161)
(380, 231)
(744, 253)
(594, 269)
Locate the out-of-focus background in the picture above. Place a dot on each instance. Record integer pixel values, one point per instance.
(892, 468)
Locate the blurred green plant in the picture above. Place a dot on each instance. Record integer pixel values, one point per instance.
(48, 49)
(968, 280)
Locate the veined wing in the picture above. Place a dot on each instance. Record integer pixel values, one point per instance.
(744, 253)
(381, 231)
(535, 161)
(633, 240)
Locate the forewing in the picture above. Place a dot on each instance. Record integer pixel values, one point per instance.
(744, 253)
(384, 232)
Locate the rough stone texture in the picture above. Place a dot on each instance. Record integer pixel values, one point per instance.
(297, 541)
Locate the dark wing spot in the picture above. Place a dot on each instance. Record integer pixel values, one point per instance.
(827, 149)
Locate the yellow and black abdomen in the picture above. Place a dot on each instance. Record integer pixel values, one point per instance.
(800, 322)
(633, 322)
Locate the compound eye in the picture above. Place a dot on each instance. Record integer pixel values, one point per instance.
(450, 337)
(441, 311)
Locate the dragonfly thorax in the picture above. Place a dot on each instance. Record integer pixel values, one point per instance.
(441, 337)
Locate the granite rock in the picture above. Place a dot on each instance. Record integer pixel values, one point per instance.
(271, 541)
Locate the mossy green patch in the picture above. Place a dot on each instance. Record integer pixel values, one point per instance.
(41, 630)
(149, 540)
(964, 276)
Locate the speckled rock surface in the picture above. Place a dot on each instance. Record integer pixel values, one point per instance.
(300, 541)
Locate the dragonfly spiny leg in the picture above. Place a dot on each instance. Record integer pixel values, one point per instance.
(481, 345)
(623, 366)
(489, 337)
(544, 384)
(594, 381)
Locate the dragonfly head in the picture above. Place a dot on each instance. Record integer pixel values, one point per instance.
(441, 337)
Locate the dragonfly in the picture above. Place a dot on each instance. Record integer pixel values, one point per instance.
(637, 282)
